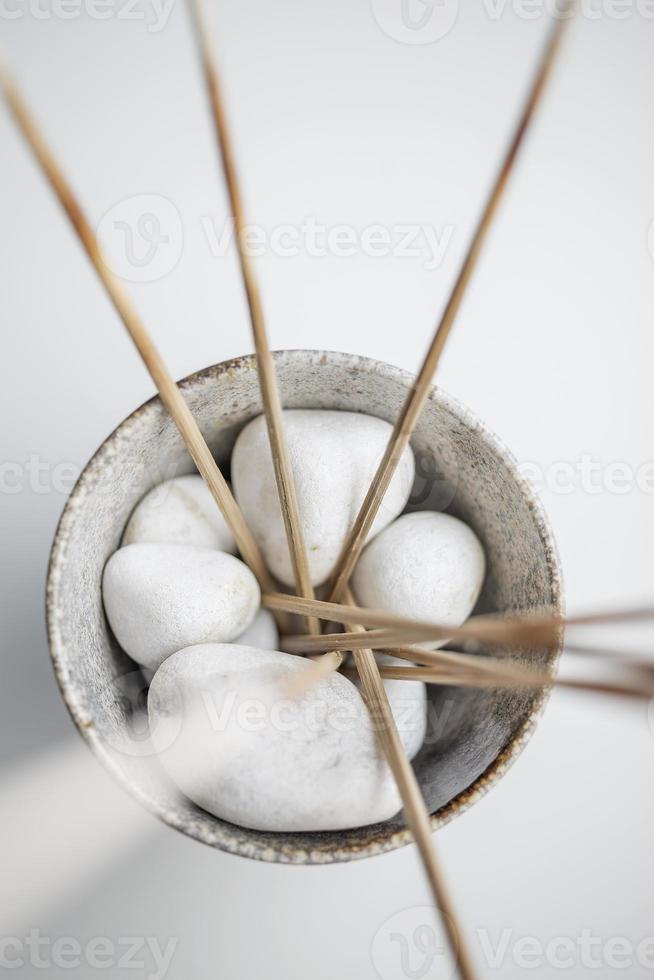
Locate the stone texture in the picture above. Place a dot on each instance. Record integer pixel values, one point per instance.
(426, 566)
(233, 742)
(261, 633)
(162, 597)
(180, 511)
(333, 456)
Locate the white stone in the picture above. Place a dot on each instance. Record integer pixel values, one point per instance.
(180, 511)
(333, 456)
(262, 633)
(161, 597)
(233, 742)
(426, 565)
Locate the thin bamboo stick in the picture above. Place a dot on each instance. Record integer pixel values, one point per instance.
(382, 639)
(415, 810)
(498, 630)
(410, 412)
(621, 659)
(506, 670)
(511, 638)
(268, 382)
(169, 392)
(506, 630)
(518, 679)
(309, 678)
(388, 639)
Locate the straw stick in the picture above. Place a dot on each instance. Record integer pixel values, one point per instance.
(388, 639)
(507, 670)
(410, 412)
(496, 629)
(623, 659)
(309, 678)
(268, 384)
(169, 392)
(415, 810)
(515, 630)
(519, 678)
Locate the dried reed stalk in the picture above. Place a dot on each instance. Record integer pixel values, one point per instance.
(169, 392)
(410, 412)
(490, 673)
(415, 810)
(268, 382)
(387, 630)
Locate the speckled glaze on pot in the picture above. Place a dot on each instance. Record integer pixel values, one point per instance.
(473, 735)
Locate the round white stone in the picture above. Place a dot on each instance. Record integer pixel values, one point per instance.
(161, 597)
(180, 511)
(426, 565)
(262, 633)
(233, 742)
(333, 456)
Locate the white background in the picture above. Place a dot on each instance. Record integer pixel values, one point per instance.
(335, 119)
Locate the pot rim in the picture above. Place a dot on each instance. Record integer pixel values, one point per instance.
(384, 841)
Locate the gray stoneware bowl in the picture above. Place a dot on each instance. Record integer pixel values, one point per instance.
(461, 467)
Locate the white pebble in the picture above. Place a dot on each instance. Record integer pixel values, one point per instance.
(262, 633)
(233, 742)
(180, 511)
(426, 565)
(333, 456)
(162, 597)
